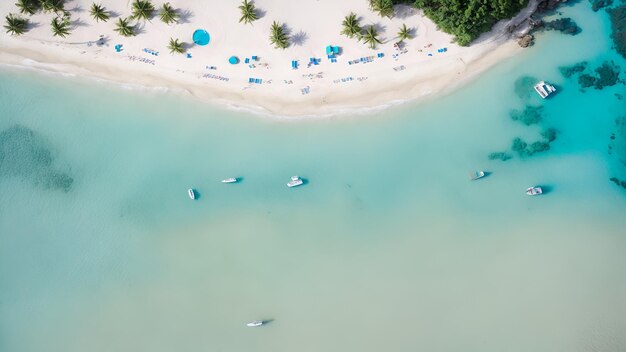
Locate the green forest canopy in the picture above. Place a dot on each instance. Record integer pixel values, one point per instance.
(467, 19)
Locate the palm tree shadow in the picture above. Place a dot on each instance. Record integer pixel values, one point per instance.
(113, 14)
(260, 13)
(77, 9)
(32, 25)
(299, 38)
(140, 28)
(79, 23)
(404, 11)
(184, 16)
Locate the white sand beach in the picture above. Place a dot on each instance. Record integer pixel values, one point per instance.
(429, 63)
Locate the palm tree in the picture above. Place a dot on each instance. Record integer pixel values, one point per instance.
(60, 26)
(55, 6)
(99, 13)
(15, 25)
(142, 10)
(383, 7)
(278, 37)
(404, 33)
(124, 28)
(176, 47)
(27, 7)
(371, 37)
(248, 12)
(168, 14)
(351, 27)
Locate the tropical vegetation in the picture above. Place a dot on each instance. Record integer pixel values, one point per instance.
(142, 10)
(404, 33)
(55, 6)
(99, 13)
(467, 19)
(60, 26)
(248, 12)
(28, 7)
(15, 25)
(175, 46)
(278, 37)
(350, 26)
(124, 28)
(383, 7)
(370, 37)
(168, 14)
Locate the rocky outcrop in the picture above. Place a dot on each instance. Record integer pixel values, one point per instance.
(526, 41)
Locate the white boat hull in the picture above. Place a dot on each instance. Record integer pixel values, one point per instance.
(534, 191)
(255, 323)
(230, 180)
(191, 193)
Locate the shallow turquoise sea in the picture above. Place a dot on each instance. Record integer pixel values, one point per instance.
(388, 247)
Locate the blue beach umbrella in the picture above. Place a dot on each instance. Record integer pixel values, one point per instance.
(233, 60)
(201, 37)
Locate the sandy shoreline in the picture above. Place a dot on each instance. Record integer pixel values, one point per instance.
(420, 71)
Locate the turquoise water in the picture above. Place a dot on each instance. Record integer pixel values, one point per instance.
(387, 248)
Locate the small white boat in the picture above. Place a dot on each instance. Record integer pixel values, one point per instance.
(230, 180)
(255, 323)
(544, 89)
(295, 181)
(534, 191)
(476, 175)
(192, 193)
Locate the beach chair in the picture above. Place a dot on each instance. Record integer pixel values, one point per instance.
(254, 58)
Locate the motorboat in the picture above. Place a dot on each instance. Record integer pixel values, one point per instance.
(476, 175)
(544, 89)
(534, 191)
(295, 181)
(192, 193)
(255, 323)
(230, 180)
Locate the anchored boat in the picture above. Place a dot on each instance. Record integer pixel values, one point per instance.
(476, 175)
(534, 191)
(192, 193)
(230, 180)
(255, 323)
(295, 181)
(544, 89)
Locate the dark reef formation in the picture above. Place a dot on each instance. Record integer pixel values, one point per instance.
(569, 71)
(618, 26)
(600, 4)
(605, 75)
(503, 156)
(529, 116)
(523, 87)
(564, 25)
(26, 155)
